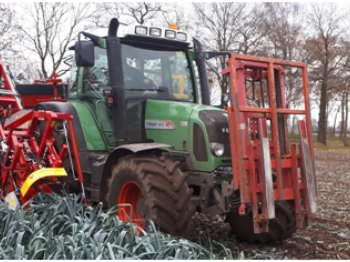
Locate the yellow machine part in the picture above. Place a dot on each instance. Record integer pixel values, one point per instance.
(180, 86)
(39, 174)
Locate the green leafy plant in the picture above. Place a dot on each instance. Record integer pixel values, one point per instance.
(58, 227)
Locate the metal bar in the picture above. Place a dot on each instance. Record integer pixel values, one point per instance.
(296, 186)
(47, 133)
(8, 92)
(253, 90)
(17, 150)
(307, 170)
(75, 151)
(268, 110)
(268, 202)
(308, 121)
(18, 119)
(262, 92)
(274, 129)
(263, 60)
(76, 158)
(9, 86)
(252, 181)
(236, 144)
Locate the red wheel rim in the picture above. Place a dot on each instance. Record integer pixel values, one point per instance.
(129, 200)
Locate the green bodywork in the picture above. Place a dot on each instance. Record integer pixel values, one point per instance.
(98, 133)
(97, 125)
(183, 115)
(93, 134)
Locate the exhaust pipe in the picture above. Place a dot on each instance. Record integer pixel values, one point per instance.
(116, 79)
(200, 62)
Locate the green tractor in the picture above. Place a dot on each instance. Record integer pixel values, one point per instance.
(149, 143)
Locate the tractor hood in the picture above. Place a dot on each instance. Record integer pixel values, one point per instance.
(192, 129)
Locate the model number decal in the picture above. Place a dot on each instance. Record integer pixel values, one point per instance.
(225, 130)
(159, 124)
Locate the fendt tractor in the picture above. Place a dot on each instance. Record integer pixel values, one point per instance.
(137, 133)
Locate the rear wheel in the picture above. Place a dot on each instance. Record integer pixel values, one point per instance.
(280, 228)
(149, 187)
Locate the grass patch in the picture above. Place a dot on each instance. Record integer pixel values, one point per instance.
(333, 143)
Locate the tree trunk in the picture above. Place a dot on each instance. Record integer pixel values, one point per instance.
(345, 138)
(335, 122)
(322, 116)
(341, 107)
(293, 125)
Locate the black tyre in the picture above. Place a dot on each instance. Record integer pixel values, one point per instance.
(280, 228)
(154, 188)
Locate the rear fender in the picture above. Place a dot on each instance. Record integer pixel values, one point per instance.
(122, 151)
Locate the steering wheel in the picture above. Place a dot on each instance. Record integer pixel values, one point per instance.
(92, 92)
(143, 85)
(91, 86)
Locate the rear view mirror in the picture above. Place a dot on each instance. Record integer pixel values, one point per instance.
(224, 98)
(84, 53)
(68, 60)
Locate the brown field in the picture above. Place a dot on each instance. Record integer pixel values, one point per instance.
(328, 236)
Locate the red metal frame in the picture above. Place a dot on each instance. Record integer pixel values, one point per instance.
(248, 128)
(31, 100)
(21, 154)
(9, 97)
(54, 81)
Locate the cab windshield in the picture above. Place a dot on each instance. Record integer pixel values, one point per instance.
(147, 74)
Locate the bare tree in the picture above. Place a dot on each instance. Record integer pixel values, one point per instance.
(105, 11)
(178, 14)
(218, 29)
(343, 90)
(131, 12)
(49, 28)
(8, 33)
(251, 31)
(284, 36)
(325, 57)
(144, 11)
(283, 30)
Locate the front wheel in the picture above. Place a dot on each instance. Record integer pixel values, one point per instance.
(280, 228)
(150, 187)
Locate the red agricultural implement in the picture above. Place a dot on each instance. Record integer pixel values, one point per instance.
(269, 168)
(42, 90)
(27, 148)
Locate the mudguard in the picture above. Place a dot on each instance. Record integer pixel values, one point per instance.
(121, 151)
(39, 174)
(137, 147)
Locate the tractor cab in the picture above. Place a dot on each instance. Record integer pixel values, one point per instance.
(148, 63)
(155, 63)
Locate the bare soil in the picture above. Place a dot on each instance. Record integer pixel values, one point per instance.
(328, 236)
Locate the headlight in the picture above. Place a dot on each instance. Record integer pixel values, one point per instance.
(170, 34)
(155, 32)
(217, 149)
(141, 30)
(181, 36)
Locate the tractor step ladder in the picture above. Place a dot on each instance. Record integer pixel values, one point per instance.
(267, 168)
